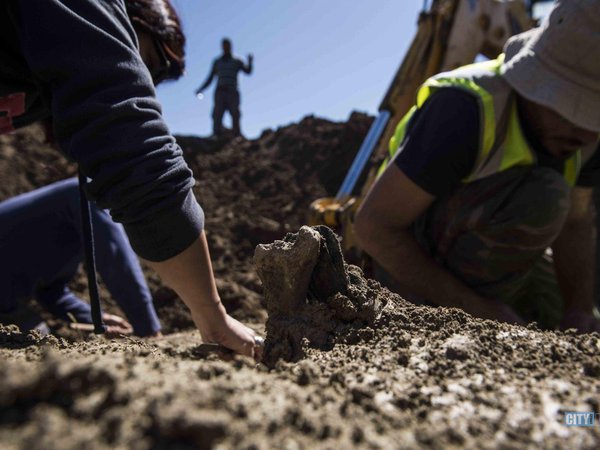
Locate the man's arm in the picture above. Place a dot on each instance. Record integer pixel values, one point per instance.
(190, 275)
(209, 78)
(382, 229)
(247, 68)
(574, 261)
(59, 301)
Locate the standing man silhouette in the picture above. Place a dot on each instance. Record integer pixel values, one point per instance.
(227, 96)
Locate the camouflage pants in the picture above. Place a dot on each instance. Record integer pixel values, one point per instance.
(493, 235)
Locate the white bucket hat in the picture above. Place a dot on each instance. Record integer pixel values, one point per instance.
(558, 64)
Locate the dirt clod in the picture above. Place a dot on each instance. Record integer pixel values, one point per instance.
(330, 299)
(285, 268)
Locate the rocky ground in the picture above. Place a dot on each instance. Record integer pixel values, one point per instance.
(347, 363)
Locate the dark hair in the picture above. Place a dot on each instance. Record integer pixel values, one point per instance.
(226, 41)
(160, 20)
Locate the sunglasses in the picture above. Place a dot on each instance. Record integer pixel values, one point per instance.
(164, 70)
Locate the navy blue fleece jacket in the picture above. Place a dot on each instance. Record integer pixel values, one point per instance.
(77, 61)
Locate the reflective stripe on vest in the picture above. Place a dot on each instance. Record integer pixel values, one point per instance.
(502, 143)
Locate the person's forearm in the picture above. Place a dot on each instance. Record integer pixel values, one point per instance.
(206, 82)
(574, 254)
(190, 275)
(58, 300)
(416, 272)
(203, 86)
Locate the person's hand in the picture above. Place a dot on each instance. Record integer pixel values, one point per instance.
(250, 57)
(115, 325)
(190, 274)
(583, 321)
(218, 327)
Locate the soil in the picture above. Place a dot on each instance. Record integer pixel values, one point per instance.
(347, 363)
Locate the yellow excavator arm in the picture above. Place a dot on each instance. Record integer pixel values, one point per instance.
(452, 33)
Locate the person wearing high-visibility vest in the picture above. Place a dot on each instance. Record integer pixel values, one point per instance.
(485, 201)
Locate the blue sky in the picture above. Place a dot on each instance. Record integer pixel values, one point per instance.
(322, 57)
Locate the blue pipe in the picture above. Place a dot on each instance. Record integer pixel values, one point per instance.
(363, 155)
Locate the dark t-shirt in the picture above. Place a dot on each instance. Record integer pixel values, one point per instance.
(442, 143)
(226, 68)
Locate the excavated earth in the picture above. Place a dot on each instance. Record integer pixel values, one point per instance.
(347, 363)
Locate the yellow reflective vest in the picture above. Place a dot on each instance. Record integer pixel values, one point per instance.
(502, 143)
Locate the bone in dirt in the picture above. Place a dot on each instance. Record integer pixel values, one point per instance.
(312, 296)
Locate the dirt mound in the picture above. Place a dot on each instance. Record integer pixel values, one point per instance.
(252, 192)
(350, 365)
(415, 377)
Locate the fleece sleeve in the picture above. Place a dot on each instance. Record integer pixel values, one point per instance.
(83, 54)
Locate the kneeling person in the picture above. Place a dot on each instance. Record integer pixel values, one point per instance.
(494, 165)
(41, 248)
